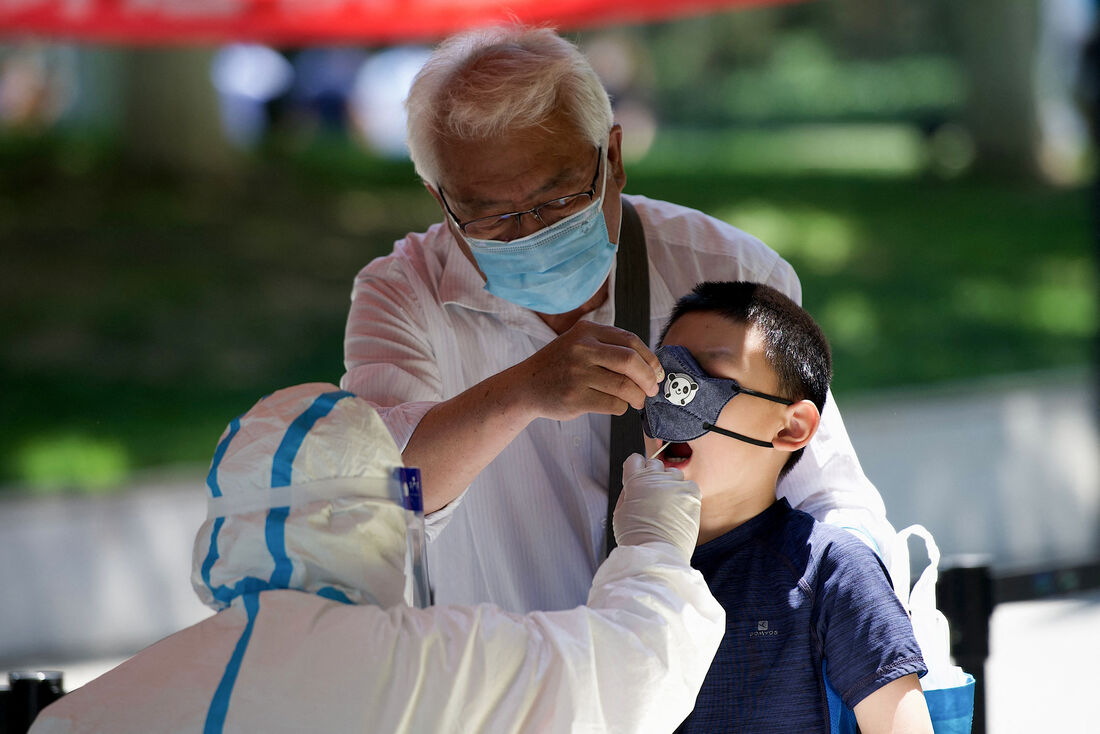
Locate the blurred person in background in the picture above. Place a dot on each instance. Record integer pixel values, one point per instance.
(249, 78)
(308, 555)
(323, 84)
(487, 343)
(37, 85)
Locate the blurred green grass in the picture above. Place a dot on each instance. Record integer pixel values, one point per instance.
(142, 311)
(921, 280)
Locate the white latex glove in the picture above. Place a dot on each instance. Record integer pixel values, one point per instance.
(657, 504)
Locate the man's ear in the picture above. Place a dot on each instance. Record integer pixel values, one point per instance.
(451, 226)
(799, 426)
(435, 194)
(616, 171)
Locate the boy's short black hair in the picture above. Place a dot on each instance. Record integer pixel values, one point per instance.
(794, 344)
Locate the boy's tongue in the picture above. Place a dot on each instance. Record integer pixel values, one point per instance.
(677, 454)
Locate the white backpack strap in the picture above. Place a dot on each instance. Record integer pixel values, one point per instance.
(924, 591)
(929, 625)
(899, 565)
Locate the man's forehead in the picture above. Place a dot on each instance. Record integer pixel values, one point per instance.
(519, 166)
(531, 172)
(520, 188)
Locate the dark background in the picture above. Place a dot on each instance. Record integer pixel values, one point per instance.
(925, 169)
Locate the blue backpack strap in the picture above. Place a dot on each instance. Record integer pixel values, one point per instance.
(842, 720)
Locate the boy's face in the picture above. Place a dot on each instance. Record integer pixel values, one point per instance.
(720, 464)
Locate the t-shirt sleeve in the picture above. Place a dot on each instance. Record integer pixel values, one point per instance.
(387, 355)
(867, 636)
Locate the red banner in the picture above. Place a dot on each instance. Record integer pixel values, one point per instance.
(309, 22)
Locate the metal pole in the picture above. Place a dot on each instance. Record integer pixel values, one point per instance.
(964, 594)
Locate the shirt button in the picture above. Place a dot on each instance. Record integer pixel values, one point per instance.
(576, 440)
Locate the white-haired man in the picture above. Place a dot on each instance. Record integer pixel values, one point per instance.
(305, 554)
(488, 343)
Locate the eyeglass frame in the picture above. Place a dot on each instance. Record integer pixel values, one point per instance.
(517, 216)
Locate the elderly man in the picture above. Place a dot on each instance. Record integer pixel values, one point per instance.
(488, 343)
(305, 555)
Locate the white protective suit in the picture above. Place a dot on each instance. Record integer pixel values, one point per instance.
(305, 554)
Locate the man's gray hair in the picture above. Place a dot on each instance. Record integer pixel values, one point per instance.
(486, 82)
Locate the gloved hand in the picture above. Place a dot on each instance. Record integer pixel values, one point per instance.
(656, 504)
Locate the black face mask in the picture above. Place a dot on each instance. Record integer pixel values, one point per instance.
(690, 401)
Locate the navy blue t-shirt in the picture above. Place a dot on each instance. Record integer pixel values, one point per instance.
(799, 596)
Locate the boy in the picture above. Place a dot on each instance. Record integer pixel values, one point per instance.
(810, 613)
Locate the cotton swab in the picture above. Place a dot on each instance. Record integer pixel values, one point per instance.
(658, 451)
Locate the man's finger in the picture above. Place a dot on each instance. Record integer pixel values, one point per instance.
(618, 386)
(629, 363)
(623, 338)
(604, 404)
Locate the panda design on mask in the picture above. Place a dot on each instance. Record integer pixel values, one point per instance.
(680, 389)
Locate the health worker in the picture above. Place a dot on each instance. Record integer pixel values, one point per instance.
(310, 555)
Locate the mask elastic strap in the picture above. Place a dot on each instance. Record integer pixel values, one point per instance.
(739, 437)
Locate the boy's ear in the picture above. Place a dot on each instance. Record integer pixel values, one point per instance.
(802, 419)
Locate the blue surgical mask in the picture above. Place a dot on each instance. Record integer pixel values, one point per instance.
(689, 401)
(553, 270)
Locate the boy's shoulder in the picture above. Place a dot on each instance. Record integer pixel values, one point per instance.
(799, 532)
(835, 548)
(787, 542)
(837, 538)
(816, 553)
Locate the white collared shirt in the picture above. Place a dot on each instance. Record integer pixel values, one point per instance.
(528, 532)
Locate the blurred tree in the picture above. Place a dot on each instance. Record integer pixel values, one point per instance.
(972, 64)
(171, 118)
(996, 41)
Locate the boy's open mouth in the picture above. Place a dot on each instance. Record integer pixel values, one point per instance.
(677, 454)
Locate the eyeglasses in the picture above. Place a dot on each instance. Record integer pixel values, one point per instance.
(507, 226)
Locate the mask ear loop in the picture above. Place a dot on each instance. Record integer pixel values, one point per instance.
(738, 436)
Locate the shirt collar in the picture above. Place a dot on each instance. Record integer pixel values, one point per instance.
(660, 298)
(461, 284)
(723, 545)
(605, 312)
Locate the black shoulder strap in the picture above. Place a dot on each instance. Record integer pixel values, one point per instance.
(632, 314)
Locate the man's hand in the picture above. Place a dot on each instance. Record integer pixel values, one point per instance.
(590, 368)
(657, 504)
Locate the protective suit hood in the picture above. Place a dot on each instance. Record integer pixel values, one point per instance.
(305, 494)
